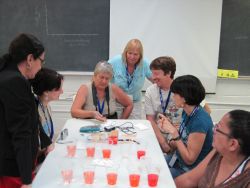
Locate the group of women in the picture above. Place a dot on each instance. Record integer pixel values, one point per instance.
(25, 121)
(27, 130)
(100, 99)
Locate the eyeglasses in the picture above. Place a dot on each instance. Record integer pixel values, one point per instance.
(221, 132)
(42, 60)
(127, 128)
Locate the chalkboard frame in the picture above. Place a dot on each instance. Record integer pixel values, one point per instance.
(235, 35)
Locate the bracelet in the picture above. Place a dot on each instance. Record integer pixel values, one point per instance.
(175, 139)
(162, 132)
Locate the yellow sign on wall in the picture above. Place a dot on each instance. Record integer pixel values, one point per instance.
(223, 73)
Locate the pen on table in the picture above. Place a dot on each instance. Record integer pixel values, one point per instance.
(129, 140)
(64, 142)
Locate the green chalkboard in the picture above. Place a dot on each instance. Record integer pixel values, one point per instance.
(75, 32)
(235, 36)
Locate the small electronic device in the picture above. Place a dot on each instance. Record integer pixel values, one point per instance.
(64, 133)
(90, 129)
(62, 136)
(109, 128)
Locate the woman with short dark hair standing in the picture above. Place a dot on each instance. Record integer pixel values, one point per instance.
(18, 113)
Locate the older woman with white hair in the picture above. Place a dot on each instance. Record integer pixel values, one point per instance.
(97, 99)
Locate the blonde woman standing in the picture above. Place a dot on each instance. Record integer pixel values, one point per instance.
(130, 70)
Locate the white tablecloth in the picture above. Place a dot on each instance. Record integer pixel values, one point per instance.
(49, 175)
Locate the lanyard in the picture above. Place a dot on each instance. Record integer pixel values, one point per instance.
(50, 122)
(99, 106)
(185, 123)
(182, 127)
(129, 77)
(240, 168)
(167, 101)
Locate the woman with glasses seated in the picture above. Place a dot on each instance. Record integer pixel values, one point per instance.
(227, 165)
(97, 99)
(192, 141)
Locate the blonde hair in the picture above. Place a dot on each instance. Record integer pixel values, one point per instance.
(133, 43)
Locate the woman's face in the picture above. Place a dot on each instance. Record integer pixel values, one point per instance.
(133, 56)
(178, 100)
(101, 80)
(55, 93)
(221, 135)
(35, 65)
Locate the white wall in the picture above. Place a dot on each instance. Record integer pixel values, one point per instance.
(189, 31)
(230, 94)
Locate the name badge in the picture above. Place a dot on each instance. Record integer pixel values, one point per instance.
(172, 160)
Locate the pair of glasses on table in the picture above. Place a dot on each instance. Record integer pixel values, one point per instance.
(127, 128)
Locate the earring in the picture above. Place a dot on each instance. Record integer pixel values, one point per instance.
(182, 105)
(28, 66)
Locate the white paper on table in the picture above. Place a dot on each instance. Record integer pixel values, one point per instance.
(103, 162)
(80, 145)
(141, 126)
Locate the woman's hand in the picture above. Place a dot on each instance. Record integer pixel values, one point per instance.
(49, 149)
(124, 100)
(166, 126)
(26, 186)
(99, 116)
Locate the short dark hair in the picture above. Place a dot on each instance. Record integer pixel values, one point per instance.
(46, 80)
(23, 45)
(164, 63)
(190, 88)
(239, 126)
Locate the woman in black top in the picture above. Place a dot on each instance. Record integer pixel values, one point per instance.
(19, 121)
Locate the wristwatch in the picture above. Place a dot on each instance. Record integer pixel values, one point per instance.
(175, 139)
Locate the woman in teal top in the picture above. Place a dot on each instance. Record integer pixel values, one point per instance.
(192, 141)
(130, 70)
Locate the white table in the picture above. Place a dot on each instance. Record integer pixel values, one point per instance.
(49, 175)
